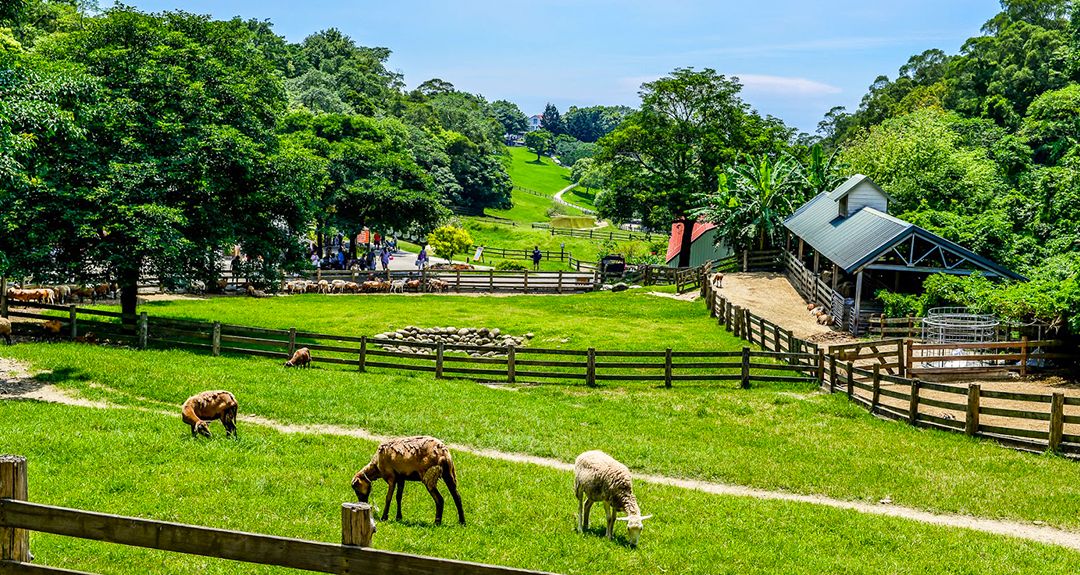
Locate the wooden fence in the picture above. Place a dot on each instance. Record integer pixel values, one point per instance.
(868, 372)
(980, 358)
(516, 281)
(603, 234)
(19, 517)
(502, 363)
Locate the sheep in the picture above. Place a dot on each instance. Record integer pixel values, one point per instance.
(599, 477)
(718, 280)
(52, 328)
(352, 287)
(437, 285)
(396, 461)
(338, 286)
(397, 286)
(413, 285)
(5, 329)
(302, 358)
(83, 292)
(63, 294)
(207, 406)
(324, 286)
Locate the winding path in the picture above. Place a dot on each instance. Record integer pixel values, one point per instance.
(558, 199)
(26, 388)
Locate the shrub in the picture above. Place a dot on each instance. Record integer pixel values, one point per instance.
(449, 240)
(510, 265)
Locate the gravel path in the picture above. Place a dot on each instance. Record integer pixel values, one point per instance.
(772, 297)
(558, 199)
(16, 382)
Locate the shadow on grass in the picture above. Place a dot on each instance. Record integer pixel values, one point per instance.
(616, 538)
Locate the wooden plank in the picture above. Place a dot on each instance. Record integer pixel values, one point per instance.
(923, 400)
(1009, 431)
(18, 568)
(944, 388)
(1014, 413)
(656, 377)
(550, 374)
(251, 340)
(429, 368)
(234, 545)
(894, 394)
(950, 423)
(1015, 396)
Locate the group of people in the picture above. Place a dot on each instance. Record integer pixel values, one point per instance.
(369, 257)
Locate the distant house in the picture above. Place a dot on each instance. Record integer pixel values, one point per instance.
(536, 122)
(703, 246)
(843, 245)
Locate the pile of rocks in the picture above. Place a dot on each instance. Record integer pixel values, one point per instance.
(479, 336)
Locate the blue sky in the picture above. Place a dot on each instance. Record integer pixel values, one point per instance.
(796, 59)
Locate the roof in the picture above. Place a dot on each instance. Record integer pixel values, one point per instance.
(674, 245)
(859, 239)
(846, 187)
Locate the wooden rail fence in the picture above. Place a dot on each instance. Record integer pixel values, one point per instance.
(19, 517)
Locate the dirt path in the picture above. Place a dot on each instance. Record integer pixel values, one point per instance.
(771, 296)
(16, 382)
(558, 199)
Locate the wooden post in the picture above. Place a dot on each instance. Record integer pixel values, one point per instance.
(590, 368)
(776, 338)
(821, 367)
(511, 368)
(491, 281)
(712, 304)
(1024, 356)
(363, 353)
(357, 524)
(526, 290)
(3, 297)
(858, 301)
(144, 328)
(559, 288)
(1057, 420)
(913, 406)
(971, 418)
(457, 281)
(292, 341)
(736, 318)
(746, 260)
(877, 388)
(439, 349)
(215, 339)
(667, 367)
(832, 374)
(909, 354)
(745, 381)
(14, 543)
(73, 320)
(850, 379)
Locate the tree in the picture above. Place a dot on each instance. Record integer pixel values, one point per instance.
(752, 200)
(569, 150)
(449, 240)
(592, 123)
(552, 121)
(539, 142)
(665, 157)
(173, 155)
(821, 172)
(510, 116)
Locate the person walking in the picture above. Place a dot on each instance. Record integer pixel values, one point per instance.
(537, 255)
(384, 258)
(421, 259)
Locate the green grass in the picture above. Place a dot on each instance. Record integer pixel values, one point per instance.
(573, 222)
(529, 208)
(773, 437)
(544, 176)
(580, 197)
(524, 237)
(144, 464)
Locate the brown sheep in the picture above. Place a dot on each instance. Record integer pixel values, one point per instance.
(52, 327)
(5, 329)
(207, 406)
(302, 358)
(396, 461)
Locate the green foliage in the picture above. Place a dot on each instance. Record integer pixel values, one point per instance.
(510, 116)
(511, 265)
(446, 241)
(552, 121)
(592, 123)
(901, 305)
(570, 151)
(540, 142)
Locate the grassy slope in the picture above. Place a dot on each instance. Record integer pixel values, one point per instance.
(783, 437)
(545, 177)
(580, 197)
(519, 515)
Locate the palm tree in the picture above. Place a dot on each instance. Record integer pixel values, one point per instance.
(821, 174)
(754, 198)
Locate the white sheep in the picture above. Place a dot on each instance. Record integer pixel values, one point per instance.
(599, 477)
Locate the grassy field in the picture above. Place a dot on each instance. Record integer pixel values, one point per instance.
(784, 437)
(544, 176)
(144, 464)
(580, 197)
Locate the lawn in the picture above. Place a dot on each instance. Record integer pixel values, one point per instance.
(529, 208)
(144, 464)
(784, 437)
(544, 176)
(581, 197)
(524, 237)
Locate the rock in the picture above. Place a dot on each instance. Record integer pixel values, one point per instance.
(619, 287)
(464, 331)
(529, 335)
(495, 332)
(605, 287)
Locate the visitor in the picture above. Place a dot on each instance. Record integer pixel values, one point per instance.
(421, 259)
(537, 255)
(384, 257)
(341, 259)
(315, 259)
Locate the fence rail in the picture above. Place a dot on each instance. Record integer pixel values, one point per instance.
(604, 234)
(517, 281)
(18, 517)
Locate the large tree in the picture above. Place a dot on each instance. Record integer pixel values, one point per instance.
(513, 120)
(666, 156)
(171, 154)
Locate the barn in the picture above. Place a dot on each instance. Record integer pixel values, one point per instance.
(843, 245)
(703, 247)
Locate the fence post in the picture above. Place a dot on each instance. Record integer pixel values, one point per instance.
(14, 543)
(748, 325)
(821, 367)
(457, 281)
(736, 315)
(439, 349)
(144, 328)
(3, 297)
(1057, 420)
(511, 368)
(909, 354)
(667, 367)
(1024, 356)
(590, 368)
(850, 379)
(832, 374)
(526, 289)
(491, 280)
(73, 319)
(363, 353)
(776, 338)
(877, 387)
(357, 524)
(913, 407)
(215, 339)
(745, 381)
(559, 288)
(746, 260)
(292, 341)
(971, 418)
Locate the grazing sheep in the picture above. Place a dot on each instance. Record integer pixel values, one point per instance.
(324, 286)
(5, 329)
(352, 287)
(337, 286)
(423, 459)
(207, 406)
(52, 327)
(599, 477)
(397, 286)
(413, 285)
(301, 358)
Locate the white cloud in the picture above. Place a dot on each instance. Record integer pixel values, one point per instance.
(785, 85)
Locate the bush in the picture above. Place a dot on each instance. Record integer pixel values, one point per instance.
(449, 240)
(902, 305)
(510, 265)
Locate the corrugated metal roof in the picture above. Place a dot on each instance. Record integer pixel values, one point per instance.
(846, 187)
(863, 236)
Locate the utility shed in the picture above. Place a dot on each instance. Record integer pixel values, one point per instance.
(843, 246)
